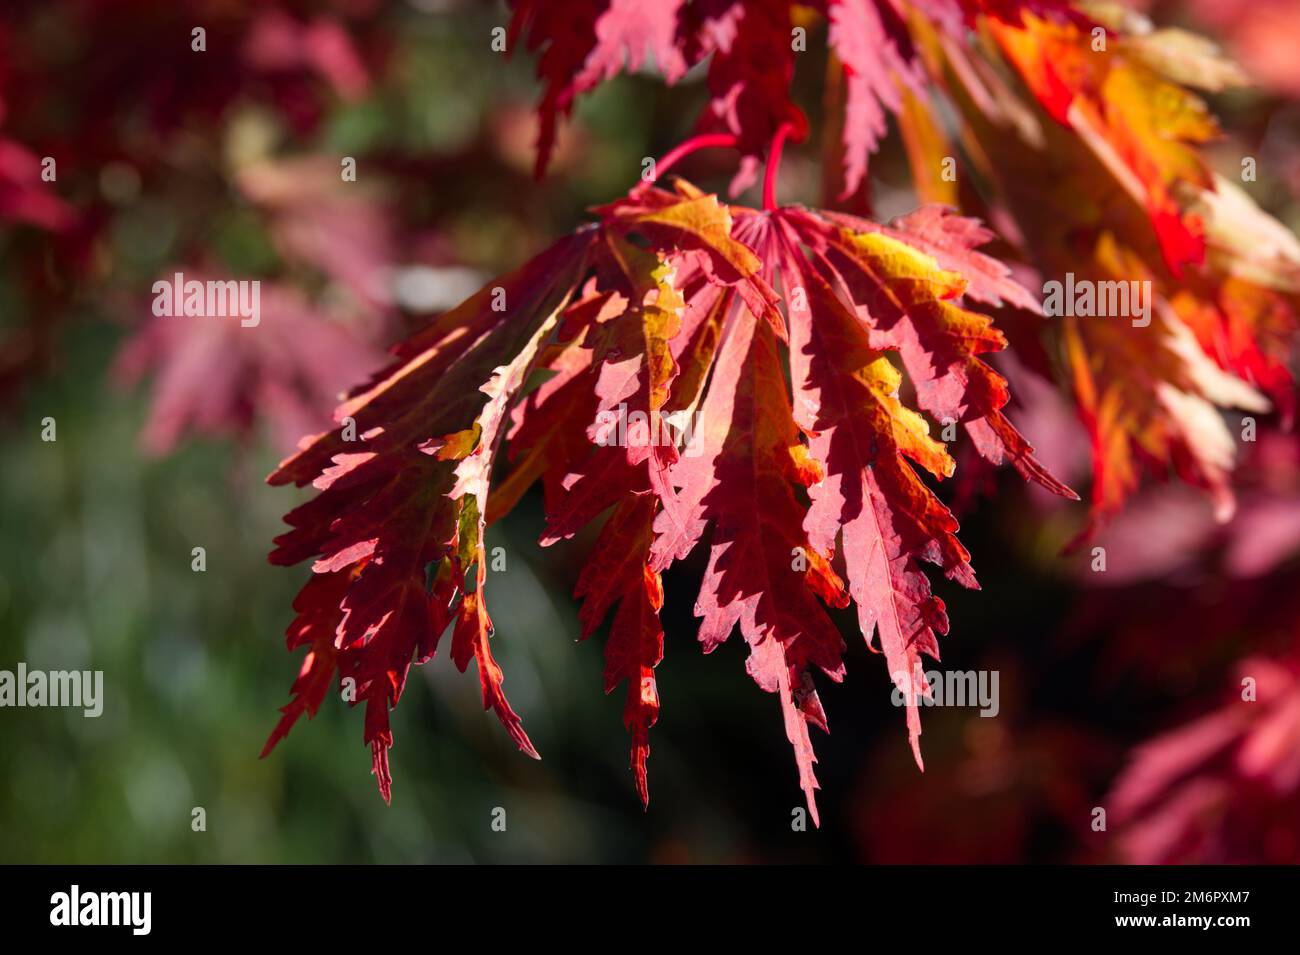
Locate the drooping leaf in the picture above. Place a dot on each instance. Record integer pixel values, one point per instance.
(1223, 788)
(872, 42)
(750, 48)
(583, 44)
(1097, 162)
(214, 376)
(846, 397)
(394, 500)
(667, 408)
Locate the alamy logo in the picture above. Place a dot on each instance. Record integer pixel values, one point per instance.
(103, 908)
(53, 688)
(619, 428)
(210, 299)
(951, 688)
(1085, 298)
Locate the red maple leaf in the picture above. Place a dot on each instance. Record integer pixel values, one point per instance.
(667, 403)
(1224, 788)
(751, 48)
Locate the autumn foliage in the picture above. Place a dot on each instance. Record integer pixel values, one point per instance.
(668, 306)
(813, 351)
(787, 405)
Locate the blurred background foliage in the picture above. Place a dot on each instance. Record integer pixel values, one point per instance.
(95, 571)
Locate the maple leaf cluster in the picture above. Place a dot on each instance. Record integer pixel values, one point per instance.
(1079, 130)
(1119, 126)
(805, 496)
(810, 352)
